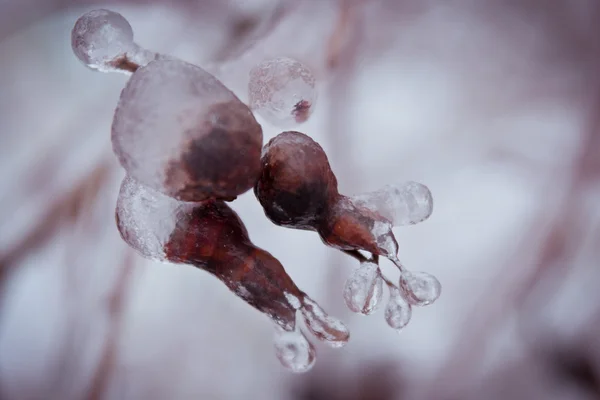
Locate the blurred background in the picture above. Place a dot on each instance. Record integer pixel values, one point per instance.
(494, 104)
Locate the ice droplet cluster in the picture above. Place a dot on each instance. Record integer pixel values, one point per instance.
(282, 90)
(189, 145)
(298, 189)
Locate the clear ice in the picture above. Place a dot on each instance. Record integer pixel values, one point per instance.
(282, 90)
(420, 288)
(103, 40)
(325, 328)
(293, 350)
(146, 219)
(402, 204)
(397, 311)
(364, 288)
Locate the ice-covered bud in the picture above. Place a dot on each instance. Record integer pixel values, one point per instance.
(325, 328)
(282, 91)
(179, 130)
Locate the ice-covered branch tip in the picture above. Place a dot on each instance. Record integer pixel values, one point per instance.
(103, 40)
(211, 236)
(298, 189)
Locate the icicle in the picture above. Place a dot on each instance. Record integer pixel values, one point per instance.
(293, 350)
(406, 203)
(364, 288)
(327, 329)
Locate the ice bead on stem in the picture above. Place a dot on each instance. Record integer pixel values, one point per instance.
(103, 41)
(282, 90)
(211, 237)
(397, 311)
(419, 288)
(364, 288)
(180, 131)
(325, 328)
(293, 350)
(406, 203)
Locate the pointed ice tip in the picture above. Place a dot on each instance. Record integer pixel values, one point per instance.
(325, 328)
(406, 203)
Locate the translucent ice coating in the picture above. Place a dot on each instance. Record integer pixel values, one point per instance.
(402, 204)
(298, 189)
(103, 40)
(326, 328)
(420, 288)
(364, 288)
(282, 90)
(293, 350)
(179, 130)
(397, 311)
(211, 236)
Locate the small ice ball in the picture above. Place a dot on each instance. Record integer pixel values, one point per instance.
(100, 37)
(282, 91)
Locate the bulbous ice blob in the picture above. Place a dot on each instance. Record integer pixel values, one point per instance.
(397, 311)
(402, 204)
(364, 289)
(420, 288)
(282, 90)
(327, 329)
(293, 350)
(100, 37)
(179, 130)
